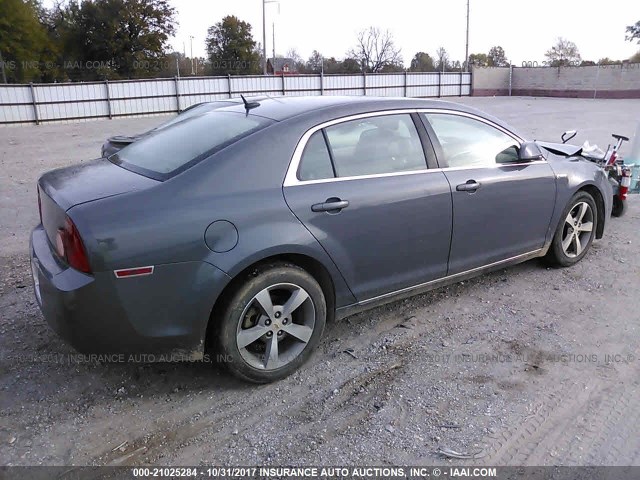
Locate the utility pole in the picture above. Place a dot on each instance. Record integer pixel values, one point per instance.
(191, 37)
(273, 26)
(264, 37)
(264, 33)
(466, 58)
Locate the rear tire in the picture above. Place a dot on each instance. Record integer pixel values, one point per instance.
(575, 232)
(619, 206)
(271, 323)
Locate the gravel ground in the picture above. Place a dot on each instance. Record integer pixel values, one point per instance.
(524, 366)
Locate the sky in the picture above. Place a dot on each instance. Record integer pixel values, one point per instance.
(524, 29)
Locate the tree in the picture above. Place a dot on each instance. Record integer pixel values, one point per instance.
(442, 60)
(608, 61)
(563, 54)
(299, 64)
(588, 63)
(635, 58)
(113, 38)
(85, 39)
(422, 62)
(392, 68)
(315, 64)
(497, 57)
(22, 41)
(633, 32)
(350, 65)
(231, 48)
(479, 60)
(375, 50)
(175, 63)
(332, 65)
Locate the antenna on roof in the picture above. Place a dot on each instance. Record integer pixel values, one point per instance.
(249, 105)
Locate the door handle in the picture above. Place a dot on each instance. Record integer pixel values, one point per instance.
(470, 186)
(330, 205)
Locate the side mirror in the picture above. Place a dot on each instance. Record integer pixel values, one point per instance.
(568, 135)
(529, 152)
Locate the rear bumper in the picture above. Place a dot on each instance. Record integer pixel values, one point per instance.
(165, 313)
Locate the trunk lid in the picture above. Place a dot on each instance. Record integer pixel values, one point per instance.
(90, 181)
(61, 189)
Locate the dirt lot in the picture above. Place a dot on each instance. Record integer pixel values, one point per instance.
(525, 366)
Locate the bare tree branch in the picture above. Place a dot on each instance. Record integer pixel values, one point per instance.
(375, 50)
(563, 54)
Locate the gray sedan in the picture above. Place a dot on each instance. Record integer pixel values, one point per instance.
(242, 228)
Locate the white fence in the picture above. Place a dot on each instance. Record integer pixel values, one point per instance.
(54, 102)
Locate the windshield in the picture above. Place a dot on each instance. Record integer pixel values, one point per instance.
(177, 147)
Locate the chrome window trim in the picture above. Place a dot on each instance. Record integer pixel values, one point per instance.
(497, 165)
(291, 178)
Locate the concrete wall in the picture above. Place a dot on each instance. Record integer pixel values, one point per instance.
(489, 81)
(606, 81)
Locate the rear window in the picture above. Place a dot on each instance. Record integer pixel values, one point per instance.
(177, 147)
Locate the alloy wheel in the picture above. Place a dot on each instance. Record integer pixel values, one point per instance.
(275, 326)
(578, 229)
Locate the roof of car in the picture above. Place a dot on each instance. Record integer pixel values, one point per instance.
(283, 108)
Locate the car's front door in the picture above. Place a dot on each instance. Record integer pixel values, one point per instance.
(501, 207)
(362, 187)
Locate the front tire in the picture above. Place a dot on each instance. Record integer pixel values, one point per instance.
(271, 323)
(576, 231)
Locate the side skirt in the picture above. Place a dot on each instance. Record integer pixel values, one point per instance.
(374, 302)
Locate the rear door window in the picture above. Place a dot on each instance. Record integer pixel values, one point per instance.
(315, 163)
(177, 147)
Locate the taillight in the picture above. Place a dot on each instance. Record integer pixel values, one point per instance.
(39, 203)
(70, 247)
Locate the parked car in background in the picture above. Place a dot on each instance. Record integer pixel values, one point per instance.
(245, 227)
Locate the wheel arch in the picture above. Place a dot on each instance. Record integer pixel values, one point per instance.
(311, 265)
(595, 192)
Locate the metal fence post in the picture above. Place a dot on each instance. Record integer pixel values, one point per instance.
(510, 78)
(106, 86)
(321, 83)
(439, 84)
(35, 105)
(364, 82)
(405, 83)
(284, 92)
(229, 84)
(460, 84)
(177, 84)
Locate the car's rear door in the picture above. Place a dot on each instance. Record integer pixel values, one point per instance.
(501, 207)
(362, 187)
